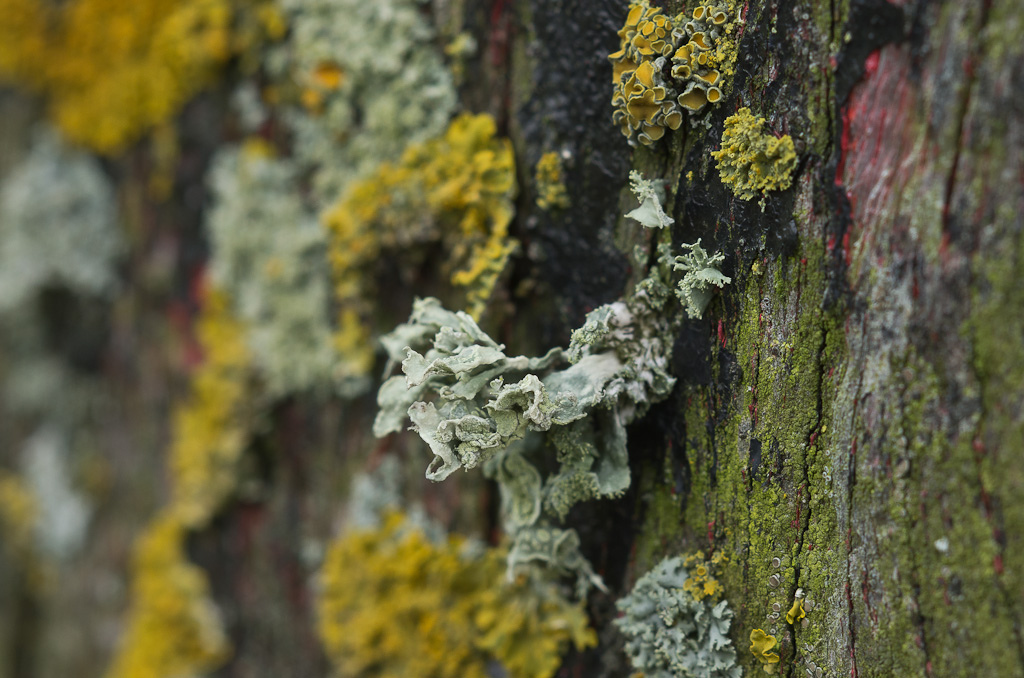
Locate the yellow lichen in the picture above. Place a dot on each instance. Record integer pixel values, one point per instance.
(455, 190)
(172, 627)
(796, 613)
(761, 645)
(551, 193)
(396, 605)
(112, 69)
(702, 583)
(751, 161)
(651, 92)
(18, 514)
(210, 427)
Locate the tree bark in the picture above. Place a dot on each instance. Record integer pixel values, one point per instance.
(848, 420)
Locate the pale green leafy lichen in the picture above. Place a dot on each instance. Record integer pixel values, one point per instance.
(650, 194)
(701, 276)
(474, 405)
(670, 633)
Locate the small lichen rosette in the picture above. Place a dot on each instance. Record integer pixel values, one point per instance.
(751, 161)
(395, 604)
(700, 278)
(668, 67)
(670, 632)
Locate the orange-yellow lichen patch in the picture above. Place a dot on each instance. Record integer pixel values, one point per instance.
(549, 176)
(211, 426)
(751, 161)
(701, 583)
(112, 69)
(18, 515)
(761, 646)
(172, 628)
(455, 191)
(395, 604)
(796, 613)
(668, 66)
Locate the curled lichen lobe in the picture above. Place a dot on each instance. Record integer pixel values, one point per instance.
(751, 161)
(762, 646)
(667, 67)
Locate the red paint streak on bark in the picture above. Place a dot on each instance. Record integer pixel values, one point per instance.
(499, 33)
(743, 19)
(871, 64)
(721, 333)
(878, 148)
(711, 532)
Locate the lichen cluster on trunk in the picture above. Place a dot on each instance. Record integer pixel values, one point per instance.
(847, 424)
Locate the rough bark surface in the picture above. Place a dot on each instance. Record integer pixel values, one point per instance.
(849, 416)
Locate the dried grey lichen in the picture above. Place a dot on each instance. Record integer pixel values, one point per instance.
(58, 224)
(670, 634)
(701, 276)
(269, 256)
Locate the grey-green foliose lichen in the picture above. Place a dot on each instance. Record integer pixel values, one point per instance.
(701, 275)
(670, 633)
(475, 405)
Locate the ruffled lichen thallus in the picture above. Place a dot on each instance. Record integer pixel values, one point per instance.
(668, 67)
(674, 623)
(763, 646)
(476, 406)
